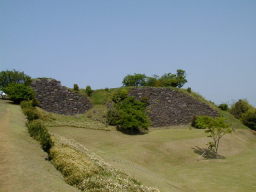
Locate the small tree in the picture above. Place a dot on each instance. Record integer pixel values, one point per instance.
(240, 108)
(134, 80)
(76, 87)
(88, 90)
(19, 92)
(216, 129)
(249, 119)
(223, 107)
(9, 77)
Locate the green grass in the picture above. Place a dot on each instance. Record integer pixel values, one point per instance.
(165, 158)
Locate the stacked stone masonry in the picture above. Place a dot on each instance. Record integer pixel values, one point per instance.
(53, 97)
(171, 107)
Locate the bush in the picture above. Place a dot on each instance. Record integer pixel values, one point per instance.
(134, 80)
(31, 113)
(26, 104)
(88, 91)
(249, 119)
(223, 107)
(240, 108)
(76, 87)
(189, 90)
(119, 95)
(201, 122)
(128, 114)
(38, 131)
(19, 92)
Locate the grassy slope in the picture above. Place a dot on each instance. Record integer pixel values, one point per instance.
(164, 158)
(22, 163)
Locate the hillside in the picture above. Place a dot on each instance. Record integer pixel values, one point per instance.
(166, 158)
(22, 163)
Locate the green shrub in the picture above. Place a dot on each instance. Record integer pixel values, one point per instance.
(128, 114)
(88, 91)
(76, 87)
(201, 122)
(19, 92)
(249, 119)
(26, 104)
(223, 107)
(39, 132)
(31, 113)
(120, 95)
(240, 108)
(189, 90)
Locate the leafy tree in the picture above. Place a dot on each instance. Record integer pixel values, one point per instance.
(240, 108)
(181, 78)
(88, 90)
(76, 87)
(10, 77)
(216, 129)
(134, 80)
(19, 92)
(249, 119)
(128, 114)
(223, 107)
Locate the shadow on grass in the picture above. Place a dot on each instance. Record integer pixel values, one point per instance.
(207, 153)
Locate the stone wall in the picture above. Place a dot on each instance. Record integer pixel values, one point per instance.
(54, 97)
(171, 107)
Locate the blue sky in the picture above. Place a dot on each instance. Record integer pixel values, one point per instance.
(98, 42)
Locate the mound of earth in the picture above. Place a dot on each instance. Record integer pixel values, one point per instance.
(53, 97)
(171, 107)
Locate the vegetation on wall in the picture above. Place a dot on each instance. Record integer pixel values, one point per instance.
(166, 80)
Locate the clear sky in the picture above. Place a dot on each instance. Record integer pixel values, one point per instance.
(98, 42)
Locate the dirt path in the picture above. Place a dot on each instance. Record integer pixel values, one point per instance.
(23, 167)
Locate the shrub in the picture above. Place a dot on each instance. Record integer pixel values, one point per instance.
(31, 113)
(249, 119)
(201, 122)
(26, 104)
(38, 131)
(19, 92)
(189, 90)
(76, 87)
(223, 107)
(119, 95)
(240, 108)
(88, 91)
(128, 114)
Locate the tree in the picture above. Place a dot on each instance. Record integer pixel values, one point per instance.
(249, 119)
(76, 87)
(19, 92)
(240, 108)
(88, 90)
(181, 78)
(128, 114)
(135, 80)
(9, 77)
(216, 129)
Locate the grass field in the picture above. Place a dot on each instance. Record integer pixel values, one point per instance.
(23, 167)
(165, 158)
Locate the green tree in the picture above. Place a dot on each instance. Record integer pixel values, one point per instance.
(181, 78)
(249, 119)
(216, 129)
(134, 80)
(76, 87)
(128, 114)
(88, 90)
(10, 77)
(240, 108)
(19, 92)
